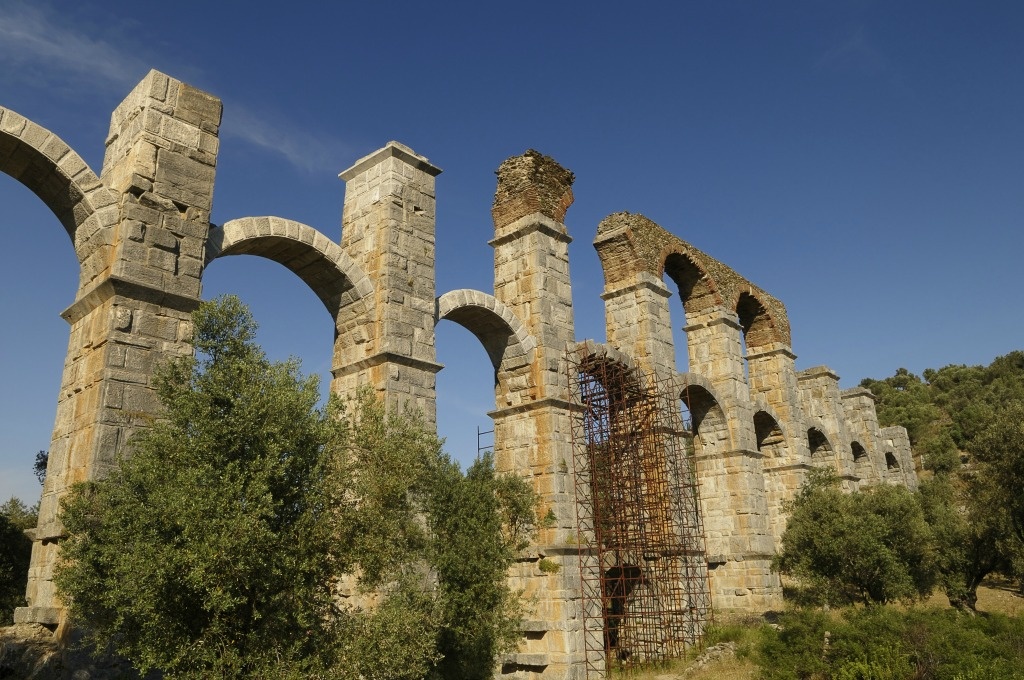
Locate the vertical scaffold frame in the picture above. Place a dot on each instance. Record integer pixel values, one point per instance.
(643, 566)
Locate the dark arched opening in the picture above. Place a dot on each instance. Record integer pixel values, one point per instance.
(820, 447)
(695, 294)
(891, 464)
(768, 434)
(710, 428)
(860, 454)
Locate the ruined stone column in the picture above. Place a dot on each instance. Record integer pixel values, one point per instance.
(638, 322)
(134, 312)
(388, 229)
(533, 438)
(714, 339)
(819, 397)
(772, 373)
(862, 421)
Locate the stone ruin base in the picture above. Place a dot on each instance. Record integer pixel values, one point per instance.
(30, 651)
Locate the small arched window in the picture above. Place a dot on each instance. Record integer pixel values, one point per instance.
(859, 453)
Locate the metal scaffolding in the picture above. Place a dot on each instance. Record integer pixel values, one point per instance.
(643, 565)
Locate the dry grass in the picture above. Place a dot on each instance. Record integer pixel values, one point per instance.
(996, 597)
(727, 669)
(732, 669)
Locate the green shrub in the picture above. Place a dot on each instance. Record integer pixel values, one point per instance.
(871, 546)
(795, 649)
(883, 643)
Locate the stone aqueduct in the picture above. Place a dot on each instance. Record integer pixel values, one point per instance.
(142, 236)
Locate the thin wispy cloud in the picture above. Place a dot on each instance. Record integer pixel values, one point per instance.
(854, 53)
(308, 151)
(44, 50)
(35, 46)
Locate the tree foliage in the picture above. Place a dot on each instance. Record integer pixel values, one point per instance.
(968, 423)
(208, 552)
(999, 449)
(889, 643)
(15, 552)
(870, 546)
(969, 535)
(39, 466)
(481, 522)
(251, 533)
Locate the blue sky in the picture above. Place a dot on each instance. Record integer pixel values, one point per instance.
(862, 161)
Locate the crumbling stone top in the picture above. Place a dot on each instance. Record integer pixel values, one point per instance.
(531, 183)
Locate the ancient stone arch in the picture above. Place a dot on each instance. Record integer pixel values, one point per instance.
(697, 290)
(821, 448)
(710, 426)
(142, 234)
(319, 262)
(47, 166)
(758, 325)
(592, 351)
(504, 337)
(862, 463)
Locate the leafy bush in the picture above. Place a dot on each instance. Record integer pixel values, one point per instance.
(884, 643)
(217, 548)
(869, 546)
(15, 552)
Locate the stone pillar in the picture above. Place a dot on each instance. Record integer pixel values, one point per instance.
(819, 397)
(534, 437)
(896, 441)
(772, 373)
(638, 322)
(161, 158)
(862, 425)
(732, 480)
(388, 229)
(714, 340)
(736, 525)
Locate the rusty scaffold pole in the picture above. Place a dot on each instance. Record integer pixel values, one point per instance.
(642, 559)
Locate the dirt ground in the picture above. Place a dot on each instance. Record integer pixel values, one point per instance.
(996, 596)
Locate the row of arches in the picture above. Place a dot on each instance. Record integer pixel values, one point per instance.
(47, 166)
(350, 297)
(635, 251)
